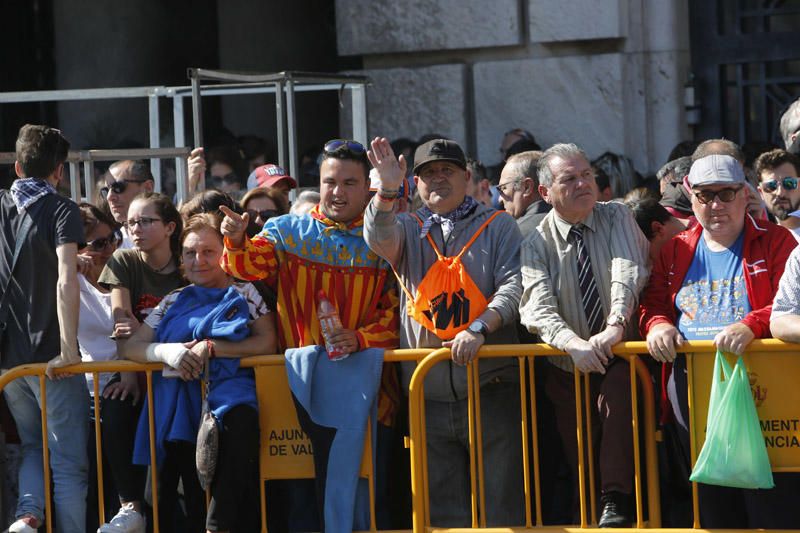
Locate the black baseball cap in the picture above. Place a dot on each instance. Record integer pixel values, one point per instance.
(439, 150)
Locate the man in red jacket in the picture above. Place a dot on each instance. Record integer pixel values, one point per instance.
(716, 281)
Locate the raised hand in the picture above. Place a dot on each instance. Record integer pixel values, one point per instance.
(196, 164)
(234, 226)
(391, 170)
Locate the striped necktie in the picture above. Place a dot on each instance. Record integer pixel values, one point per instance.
(592, 306)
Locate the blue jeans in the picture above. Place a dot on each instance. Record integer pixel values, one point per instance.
(447, 433)
(68, 428)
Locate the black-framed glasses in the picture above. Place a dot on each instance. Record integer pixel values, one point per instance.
(98, 245)
(143, 222)
(501, 187)
(725, 195)
(788, 183)
(265, 215)
(338, 145)
(118, 187)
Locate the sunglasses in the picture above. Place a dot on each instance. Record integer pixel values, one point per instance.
(143, 222)
(338, 145)
(102, 243)
(118, 187)
(227, 178)
(788, 183)
(725, 195)
(265, 215)
(501, 188)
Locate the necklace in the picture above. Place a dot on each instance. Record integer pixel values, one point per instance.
(156, 270)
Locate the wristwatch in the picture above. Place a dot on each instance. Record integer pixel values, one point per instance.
(617, 319)
(479, 326)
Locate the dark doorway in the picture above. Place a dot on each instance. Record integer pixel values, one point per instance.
(746, 62)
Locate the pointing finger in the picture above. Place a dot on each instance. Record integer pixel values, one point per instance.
(228, 212)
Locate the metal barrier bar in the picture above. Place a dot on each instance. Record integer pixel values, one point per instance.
(128, 366)
(98, 445)
(476, 383)
(535, 434)
(151, 426)
(526, 467)
(580, 437)
(155, 137)
(88, 157)
(416, 424)
(590, 446)
(48, 504)
(473, 446)
(637, 469)
(692, 442)
(421, 507)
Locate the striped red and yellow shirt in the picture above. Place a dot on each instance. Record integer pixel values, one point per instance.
(299, 256)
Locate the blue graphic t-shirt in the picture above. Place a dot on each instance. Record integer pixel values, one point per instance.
(713, 295)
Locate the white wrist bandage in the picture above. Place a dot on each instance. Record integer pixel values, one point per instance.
(167, 353)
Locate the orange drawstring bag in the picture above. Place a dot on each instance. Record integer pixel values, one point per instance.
(447, 300)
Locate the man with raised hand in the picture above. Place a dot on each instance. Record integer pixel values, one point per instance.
(299, 255)
(482, 245)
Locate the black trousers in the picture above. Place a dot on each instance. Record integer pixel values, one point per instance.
(179, 464)
(119, 419)
(235, 497)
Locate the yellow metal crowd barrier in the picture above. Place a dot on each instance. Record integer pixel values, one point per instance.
(629, 351)
(698, 357)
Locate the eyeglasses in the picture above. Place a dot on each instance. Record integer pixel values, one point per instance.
(143, 222)
(338, 145)
(102, 243)
(788, 183)
(501, 187)
(265, 215)
(118, 187)
(725, 195)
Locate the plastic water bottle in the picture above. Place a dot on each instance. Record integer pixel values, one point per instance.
(329, 322)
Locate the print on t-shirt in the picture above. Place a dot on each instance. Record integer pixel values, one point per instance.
(145, 306)
(713, 294)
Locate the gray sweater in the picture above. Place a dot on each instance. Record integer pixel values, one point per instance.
(493, 264)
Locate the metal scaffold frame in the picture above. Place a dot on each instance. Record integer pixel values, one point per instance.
(284, 85)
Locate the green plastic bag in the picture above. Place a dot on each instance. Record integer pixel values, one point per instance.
(734, 453)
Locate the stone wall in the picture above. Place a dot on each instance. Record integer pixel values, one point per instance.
(605, 74)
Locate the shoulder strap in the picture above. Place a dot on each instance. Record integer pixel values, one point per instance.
(27, 222)
(477, 233)
(23, 233)
(428, 235)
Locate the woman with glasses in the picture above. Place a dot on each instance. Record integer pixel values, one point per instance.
(138, 278)
(263, 203)
(102, 237)
(215, 321)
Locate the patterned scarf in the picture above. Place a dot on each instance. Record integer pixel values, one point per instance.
(354, 227)
(447, 220)
(26, 191)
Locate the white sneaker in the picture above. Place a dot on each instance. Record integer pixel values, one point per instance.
(127, 520)
(24, 525)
